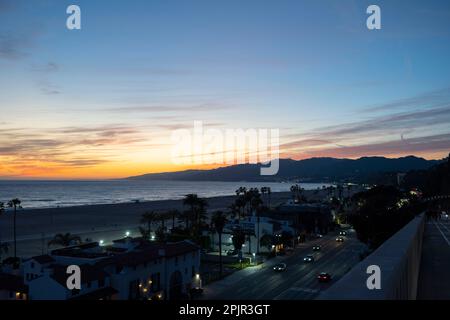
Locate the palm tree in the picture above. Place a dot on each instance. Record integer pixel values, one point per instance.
(234, 210)
(219, 220)
(240, 204)
(238, 239)
(173, 214)
(202, 204)
(267, 241)
(64, 240)
(15, 203)
(149, 218)
(162, 217)
(191, 200)
(2, 210)
(256, 203)
(263, 191)
(184, 217)
(4, 247)
(145, 233)
(197, 211)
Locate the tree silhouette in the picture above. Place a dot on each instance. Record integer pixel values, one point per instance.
(219, 220)
(64, 239)
(15, 204)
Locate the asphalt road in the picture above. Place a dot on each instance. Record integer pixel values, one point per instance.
(299, 280)
(434, 276)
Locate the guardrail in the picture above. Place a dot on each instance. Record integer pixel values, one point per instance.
(399, 261)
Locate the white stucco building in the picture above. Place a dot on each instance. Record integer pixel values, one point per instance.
(131, 268)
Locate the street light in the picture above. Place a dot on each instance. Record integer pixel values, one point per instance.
(127, 234)
(101, 242)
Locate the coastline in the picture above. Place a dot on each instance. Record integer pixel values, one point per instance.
(102, 221)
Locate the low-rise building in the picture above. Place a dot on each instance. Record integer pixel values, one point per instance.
(131, 268)
(12, 287)
(254, 227)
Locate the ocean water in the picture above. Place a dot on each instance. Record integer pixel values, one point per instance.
(47, 194)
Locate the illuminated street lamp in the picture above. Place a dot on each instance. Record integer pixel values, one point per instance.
(127, 234)
(101, 242)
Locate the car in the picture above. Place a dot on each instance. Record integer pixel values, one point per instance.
(324, 277)
(343, 233)
(279, 267)
(308, 258)
(339, 239)
(316, 248)
(319, 235)
(197, 291)
(231, 252)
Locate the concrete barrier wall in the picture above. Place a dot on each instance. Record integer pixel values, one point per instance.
(399, 261)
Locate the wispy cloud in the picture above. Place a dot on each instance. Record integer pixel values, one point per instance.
(43, 74)
(170, 108)
(68, 146)
(427, 144)
(429, 99)
(426, 122)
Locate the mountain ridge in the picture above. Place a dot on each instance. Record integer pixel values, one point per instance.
(318, 169)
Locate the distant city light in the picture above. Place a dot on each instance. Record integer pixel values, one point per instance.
(127, 234)
(153, 238)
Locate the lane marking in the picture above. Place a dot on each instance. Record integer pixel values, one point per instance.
(442, 233)
(443, 225)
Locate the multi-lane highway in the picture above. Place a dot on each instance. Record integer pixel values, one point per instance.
(299, 280)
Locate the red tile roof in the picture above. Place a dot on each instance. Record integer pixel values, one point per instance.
(89, 273)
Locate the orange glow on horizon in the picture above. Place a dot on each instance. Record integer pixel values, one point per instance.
(117, 170)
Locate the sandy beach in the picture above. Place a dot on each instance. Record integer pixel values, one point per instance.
(106, 222)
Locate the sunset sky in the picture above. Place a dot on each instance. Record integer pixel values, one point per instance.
(103, 101)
